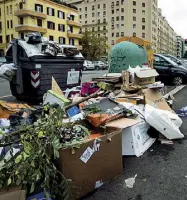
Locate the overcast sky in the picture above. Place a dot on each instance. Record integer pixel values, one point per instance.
(175, 12)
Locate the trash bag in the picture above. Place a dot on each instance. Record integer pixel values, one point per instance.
(164, 121)
(52, 49)
(33, 38)
(7, 71)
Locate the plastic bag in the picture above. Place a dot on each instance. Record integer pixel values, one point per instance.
(164, 121)
(7, 71)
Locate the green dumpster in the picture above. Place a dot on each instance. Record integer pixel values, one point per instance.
(125, 54)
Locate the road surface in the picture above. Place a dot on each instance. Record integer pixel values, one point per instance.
(5, 92)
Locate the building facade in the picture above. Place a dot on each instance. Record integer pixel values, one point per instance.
(115, 19)
(180, 47)
(54, 21)
(167, 38)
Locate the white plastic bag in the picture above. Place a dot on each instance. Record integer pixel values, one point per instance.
(164, 121)
(7, 71)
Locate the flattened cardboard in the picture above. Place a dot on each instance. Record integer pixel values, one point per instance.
(154, 98)
(18, 195)
(124, 122)
(103, 166)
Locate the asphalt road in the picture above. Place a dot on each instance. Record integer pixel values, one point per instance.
(5, 92)
(160, 171)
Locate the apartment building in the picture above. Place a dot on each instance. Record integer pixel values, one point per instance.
(117, 18)
(114, 19)
(55, 21)
(180, 47)
(167, 38)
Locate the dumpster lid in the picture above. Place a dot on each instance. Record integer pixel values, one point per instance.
(36, 49)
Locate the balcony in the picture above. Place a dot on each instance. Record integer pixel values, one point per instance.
(27, 12)
(26, 28)
(75, 35)
(73, 23)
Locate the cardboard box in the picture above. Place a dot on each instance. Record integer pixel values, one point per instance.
(145, 76)
(89, 168)
(135, 140)
(13, 195)
(154, 98)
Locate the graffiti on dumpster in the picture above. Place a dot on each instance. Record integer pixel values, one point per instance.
(118, 60)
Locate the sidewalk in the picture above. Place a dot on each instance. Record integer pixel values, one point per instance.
(160, 171)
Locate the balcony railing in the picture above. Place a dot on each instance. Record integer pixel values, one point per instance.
(74, 23)
(74, 35)
(25, 28)
(28, 12)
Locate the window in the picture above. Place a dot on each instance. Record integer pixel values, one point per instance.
(117, 3)
(112, 34)
(134, 10)
(159, 61)
(0, 12)
(122, 34)
(104, 13)
(117, 34)
(134, 18)
(20, 5)
(7, 10)
(143, 35)
(51, 38)
(143, 27)
(21, 20)
(134, 3)
(134, 34)
(143, 12)
(143, 4)
(143, 19)
(1, 39)
(80, 16)
(98, 28)
(112, 11)
(8, 24)
(80, 9)
(85, 15)
(38, 8)
(104, 6)
(71, 41)
(98, 6)
(50, 11)
(39, 22)
(93, 29)
(51, 25)
(104, 28)
(10, 9)
(61, 14)
(11, 24)
(12, 36)
(71, 17)
(61, 27)
(85, 8)
(117, 25)
(86, 22)
(122, 9)
(122, 18)
(98, 14)
(62, 40)
(22, 36)
(93, 14)
(117, 18)
(0, 25)
(7, 38)
(93, 7)
(134, 25)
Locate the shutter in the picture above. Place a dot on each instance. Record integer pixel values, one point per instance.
(53, 12)
(47, 11)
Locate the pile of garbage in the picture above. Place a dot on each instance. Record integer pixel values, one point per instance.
(59, 149)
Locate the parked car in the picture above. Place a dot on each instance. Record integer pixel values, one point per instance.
(169, 70)
(88, 65)
(175, 59)
(99, 65)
